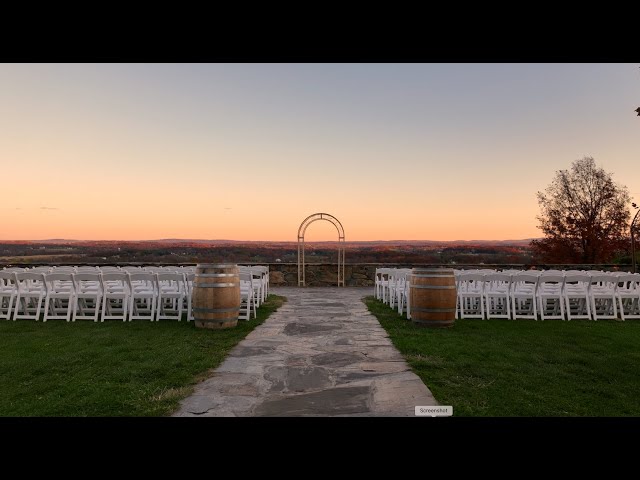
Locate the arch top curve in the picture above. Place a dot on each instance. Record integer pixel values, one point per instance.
(301, 231)
(320, 216)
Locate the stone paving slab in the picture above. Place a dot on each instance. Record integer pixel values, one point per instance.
(321, 354)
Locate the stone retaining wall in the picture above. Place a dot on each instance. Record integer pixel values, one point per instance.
(362, 274)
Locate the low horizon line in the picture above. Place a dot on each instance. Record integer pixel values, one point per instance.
(262, 241)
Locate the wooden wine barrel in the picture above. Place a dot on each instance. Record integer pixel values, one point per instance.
(433, 297)
(215, 300)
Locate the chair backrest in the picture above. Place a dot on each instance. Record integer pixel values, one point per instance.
(132, 269)
(498, 281)
(52, 278)
(522, 279)
(471, 282)
(110, 278)
(525, 277)
(86, 277)
(575, 272)
(62, 269)
(87, 269)
(606, 281)
(171, 277)
(511, 271)
(21, 276)
(551, 279)
(552, 282)
(141, 276)
(58, 276)
(471, 277)
(7, 278)
(552, 273)
(498, 277)
(577, 278)
(629, 281)
(246, 277)
(15, 269)
(109, 268)
(45, 269)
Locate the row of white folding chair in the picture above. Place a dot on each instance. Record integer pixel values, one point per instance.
(386, 283)
(253, 278)
(551, 296)
(137, 295)
(263, 270)
(260, 276)
(399, 290)
(382, 283)
(392, 287)
(249, 294)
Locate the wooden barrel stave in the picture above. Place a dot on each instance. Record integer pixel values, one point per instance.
(216, 296)
(433, 297)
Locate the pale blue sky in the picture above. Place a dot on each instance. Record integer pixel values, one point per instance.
(395, 151)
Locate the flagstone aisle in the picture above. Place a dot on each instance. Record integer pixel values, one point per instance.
(321, 354)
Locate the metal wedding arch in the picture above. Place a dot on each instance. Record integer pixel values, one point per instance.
(303, 228)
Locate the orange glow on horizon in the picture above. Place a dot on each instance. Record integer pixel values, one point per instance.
(246, 152)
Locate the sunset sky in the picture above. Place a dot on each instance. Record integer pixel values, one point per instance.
(247, 151)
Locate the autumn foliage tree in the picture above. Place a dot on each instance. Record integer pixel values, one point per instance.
(584, 216)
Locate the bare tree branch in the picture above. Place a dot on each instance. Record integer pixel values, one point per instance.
(583, 216)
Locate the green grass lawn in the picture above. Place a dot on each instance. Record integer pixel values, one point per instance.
(137, 368)
(524, 367)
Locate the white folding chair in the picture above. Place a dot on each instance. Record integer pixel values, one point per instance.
(30, 295)
(59, 296)
(551, 297)
(247, 297)
(524, 290)
(88, 296)
(392, 286)
(381, 282)
(257, 285)
(143, 296)
(402, 290)
(602, 292)
(628, 295)
(188, 277)
(471, 295)
(171, 295)
(576, 295)
(115, 296)
(8, 293)
(264, 272)
(496, 294)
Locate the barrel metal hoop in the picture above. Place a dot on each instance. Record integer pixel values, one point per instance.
(430, 270)
(420, 275)
(215, 320)
(215, 285)
(432, 310)
(216, 275)
(436, 323)
(434, 287)
(216, 265)
(215, 310)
